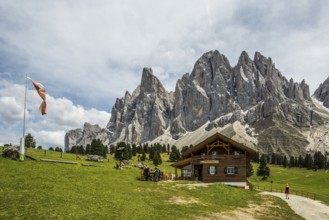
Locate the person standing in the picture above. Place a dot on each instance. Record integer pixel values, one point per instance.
(287, 191)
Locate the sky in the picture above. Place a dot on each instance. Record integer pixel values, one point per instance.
(88, 53)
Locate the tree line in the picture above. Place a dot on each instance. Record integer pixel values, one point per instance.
(96, 147)
(31, 143)
(316, 160)
(125, 151)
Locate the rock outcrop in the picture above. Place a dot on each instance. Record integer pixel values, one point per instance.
(322, 93)
(142, 116)
(85, 136)
(215, 94)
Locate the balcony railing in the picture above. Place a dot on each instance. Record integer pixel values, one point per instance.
(223, 157)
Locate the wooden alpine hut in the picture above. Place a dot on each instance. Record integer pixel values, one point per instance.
(216, 159)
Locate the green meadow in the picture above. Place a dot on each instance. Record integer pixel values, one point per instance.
(41, 190)
(308, 183)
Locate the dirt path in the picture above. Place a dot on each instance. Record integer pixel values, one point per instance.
(305, 207)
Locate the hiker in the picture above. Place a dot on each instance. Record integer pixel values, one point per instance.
(116, 165)
(152, 175)
(157, 175)
(146, 173)
(287, 191)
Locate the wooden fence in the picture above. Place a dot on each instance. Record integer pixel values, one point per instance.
(311, 195)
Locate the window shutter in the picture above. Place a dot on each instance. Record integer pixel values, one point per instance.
(208, 170)
(215, 170)
(235, 170)
(225, 170)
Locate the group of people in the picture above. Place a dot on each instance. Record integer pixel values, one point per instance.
(150, 174)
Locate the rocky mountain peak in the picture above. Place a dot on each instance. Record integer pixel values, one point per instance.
(211, 69)
(322, 93)
(244, 59)
(150, 83)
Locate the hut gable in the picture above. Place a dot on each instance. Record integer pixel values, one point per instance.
(216, 159)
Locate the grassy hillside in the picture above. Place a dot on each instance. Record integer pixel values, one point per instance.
(300, 180)
(41, 190)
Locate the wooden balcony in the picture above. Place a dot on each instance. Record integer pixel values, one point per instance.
(224, 157)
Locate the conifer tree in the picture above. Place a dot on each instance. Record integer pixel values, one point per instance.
(256, 158)
(119, 150)
(129, 152)
(319, 160)
(29, 141)
(308, 161)
(157, 158)
(274, 159)
(250, 169)
(139, 149)
(112, 149)
(292, 162)
(88, 149)
(174, 154)
(146, 148)
(134, 150)
(143, 157)
(285, 162)
(300, 161)
(164, 150)
(263, 169)
(97, 148)
(185, 148)
(152, 152)
(58, 149)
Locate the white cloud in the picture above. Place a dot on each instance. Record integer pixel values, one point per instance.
(49, 138)
(91, 52)
(10, 111)
(62, 115)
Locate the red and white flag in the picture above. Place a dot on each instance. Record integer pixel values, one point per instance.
(42, 93)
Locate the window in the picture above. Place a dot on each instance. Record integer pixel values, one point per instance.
(187, 173)
(212, 170)
(237, 152)
(231, 170)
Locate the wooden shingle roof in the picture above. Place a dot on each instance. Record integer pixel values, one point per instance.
(215, 137)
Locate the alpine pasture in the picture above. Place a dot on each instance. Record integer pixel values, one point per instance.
(33, 189)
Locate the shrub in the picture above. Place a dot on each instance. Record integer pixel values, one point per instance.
(11, 152)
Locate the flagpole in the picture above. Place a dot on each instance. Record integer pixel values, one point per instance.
(22, 144)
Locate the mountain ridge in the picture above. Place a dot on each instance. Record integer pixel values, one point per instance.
(215, 94)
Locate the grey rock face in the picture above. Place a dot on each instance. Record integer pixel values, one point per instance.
(254, 87)
(143, 116)
(252, 92)
(85, 136)
(322, 93)
(72, 137)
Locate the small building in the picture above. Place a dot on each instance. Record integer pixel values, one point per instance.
(216, 159)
